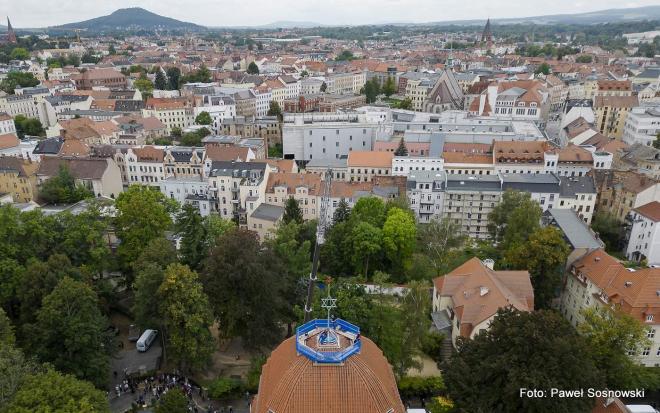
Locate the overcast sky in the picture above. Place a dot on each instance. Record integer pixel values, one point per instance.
(40, 13)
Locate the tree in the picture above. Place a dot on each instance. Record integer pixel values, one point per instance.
(112, 50)
(28, 126)
(62, 188)
(7, 337)
(345, 55)
(544, 255)
(242, 279)
(160, 82)
(55, 392)
(610, 230)
(214, 227)
(369, 209)
(292, 211)
(173, 401)
(14, 368)
(389, 88)
(544, 68)
(149, 271)
(173, 78)
(405, 104)
(176, 132)
(611, 336)
(367, 241)
(187, 317)
(585, 58)
(521, 350)
(190, 226)
(15, 80)
(401, 150)
(324, 87)
(513, 219)
(204, 118)
(70, 332)
(342, 213)
(656, 142)
(274, 109)
(144, 85)
(83, 238)
(143, 214)
(442, 242)
(253, 69)
(371, 90)
(19, 53)
(399, 233)
(416, 321)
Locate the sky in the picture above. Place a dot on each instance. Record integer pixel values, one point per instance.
(42, 13)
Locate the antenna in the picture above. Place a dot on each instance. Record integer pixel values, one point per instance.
(320, 238)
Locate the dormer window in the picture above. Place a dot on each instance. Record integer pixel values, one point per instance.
(649, 318)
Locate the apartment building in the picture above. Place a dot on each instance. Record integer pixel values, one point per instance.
(100, 175)
(612, 113)
(364, 165)
(182, 162)
(426, 193)
(644, 234)
(345, 83)
(621, 191)
(7, 125)
(642, 125)
(219, 108)
(189, 190)
(18, 178)
(600, 280)
(172, 112)
(306, 189)
(141, 165)
(613, 88)
(99, 79)
(238, 188)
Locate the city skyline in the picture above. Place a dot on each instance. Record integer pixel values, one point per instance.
(33, 14)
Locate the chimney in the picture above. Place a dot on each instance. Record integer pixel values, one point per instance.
(489, 263)
(483, 291)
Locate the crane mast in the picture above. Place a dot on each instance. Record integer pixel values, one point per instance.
(320, 238)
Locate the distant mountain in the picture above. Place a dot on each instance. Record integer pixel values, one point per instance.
(286, 24)
(131, 18)
(594, 17)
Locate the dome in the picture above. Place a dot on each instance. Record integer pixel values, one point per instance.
(294, 380)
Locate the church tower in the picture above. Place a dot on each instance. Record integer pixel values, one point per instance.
(11, 35)
(487, 36)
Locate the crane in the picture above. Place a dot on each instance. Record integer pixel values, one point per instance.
(320, 238)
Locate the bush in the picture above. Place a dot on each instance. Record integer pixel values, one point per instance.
(224, 388)
(440, 405)
(422, 387)
(432, 344)
(252, 381)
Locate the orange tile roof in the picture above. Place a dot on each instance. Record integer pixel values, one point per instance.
(226, 153)
(477, 292)
(506, 151)
(635, 292)
(294, 180)
(462, 157)
(575, 154)
(292, 383)
(149, 154)
(650, 210)
(9, 140)
(376, 159)
(615, 101)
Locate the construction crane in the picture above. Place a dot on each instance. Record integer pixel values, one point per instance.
(320, 238)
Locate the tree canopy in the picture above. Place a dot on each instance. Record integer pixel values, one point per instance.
(62, 188)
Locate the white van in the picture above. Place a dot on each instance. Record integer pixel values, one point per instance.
(145, 340)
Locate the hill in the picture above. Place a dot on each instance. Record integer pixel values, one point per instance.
(594, 17)
(131, 18)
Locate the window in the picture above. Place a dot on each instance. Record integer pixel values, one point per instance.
(650, 333)
(649, 318)
(646, 351)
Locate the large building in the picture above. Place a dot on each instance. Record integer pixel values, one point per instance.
(327, 367)
(99, 79)
(642, 125)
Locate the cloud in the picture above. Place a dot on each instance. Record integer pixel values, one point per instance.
(41, 13)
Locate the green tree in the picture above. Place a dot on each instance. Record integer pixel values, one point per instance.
(292, 211)
(55, 392)
(176, 132)
(187, 317)
(190, 226)
(544, 256)
(656, 142)
(15, 80)
(399, 234)
(204, 118)
(584, 59)
(369, 209)
(274, 109)
(112, 50)
(345, 55)
(214, 227)
(389, 88)
(610, 230)
(442, 242)
(415, 308)
(253, 69)
(62, 188)
(611, 335)
(521, 350)
(70, 332)
(342, 213)
(513, 219)
(7, 337)
(174, 401)
(14, 369)
(405, 104)
(173, 78)
(28, 126)
(401, 150)
(544, 68)
(19, 53)
(242, 279)
(324, 87)
(149, 271)
(83, 239)
(160, 82)
(367, 242)
(371, 90)
(144, 85)
(143, 214)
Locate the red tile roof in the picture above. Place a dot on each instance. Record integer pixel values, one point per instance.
(650, 210)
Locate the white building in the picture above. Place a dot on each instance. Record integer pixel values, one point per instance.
(642, 125)
(404, 165)
(219, 108)
(644, 234)
(188, 190)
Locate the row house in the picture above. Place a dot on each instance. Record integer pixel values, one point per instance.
(364, 165)
(304, 188)
(141, 165)
(345, 83)
(183, 162)
(600, 280)
(18, 177)
(621, 191)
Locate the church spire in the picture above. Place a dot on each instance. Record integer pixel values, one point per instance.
(11, 36)
(487, 35)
